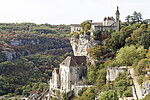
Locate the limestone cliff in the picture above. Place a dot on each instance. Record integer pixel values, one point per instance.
(81, 45)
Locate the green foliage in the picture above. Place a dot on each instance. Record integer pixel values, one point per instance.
(146, 97)
(135, 18)
(40, 50)
(144, 40)
(64, 95)
(42, 86)
(92, 74)
(89, 94)
(128, 92)
(80, 92)
(118, 39)
(109, 95)
(123, 85)
(127, 55)
(54, 98)
(140, 79)
(101, 79)
(141, 66)
(100, 52)
(86, 25)
(97, 35)
(120, 87)
(76, 35)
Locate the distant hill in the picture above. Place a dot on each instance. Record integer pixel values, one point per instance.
(28, 53)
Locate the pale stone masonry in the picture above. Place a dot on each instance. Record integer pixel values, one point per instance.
(70, 73)
(112, 72)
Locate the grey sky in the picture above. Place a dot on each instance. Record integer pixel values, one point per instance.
(68, 11)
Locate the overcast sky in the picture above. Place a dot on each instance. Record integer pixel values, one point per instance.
(68, 11)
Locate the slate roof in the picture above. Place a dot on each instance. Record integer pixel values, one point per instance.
(74, 61)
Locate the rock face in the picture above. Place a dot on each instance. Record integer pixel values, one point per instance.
(145, 88)
(81, 45)
(10, 55)
(15, 43)
(18, 42)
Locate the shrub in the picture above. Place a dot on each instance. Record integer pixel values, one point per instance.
(76, 35)
(140, 79)
(109, 95)
(128, 92)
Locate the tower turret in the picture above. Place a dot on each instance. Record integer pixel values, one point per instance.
(117, 19)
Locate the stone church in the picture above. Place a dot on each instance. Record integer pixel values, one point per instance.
(71, 71)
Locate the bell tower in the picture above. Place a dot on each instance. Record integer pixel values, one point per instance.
(117, 19)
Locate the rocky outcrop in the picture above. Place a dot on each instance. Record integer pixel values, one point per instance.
(15, 43)
(18, 42)
(81, 45)
(10, 55)
(145, 88)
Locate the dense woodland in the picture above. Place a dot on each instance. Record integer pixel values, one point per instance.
(127, 47)
(40, 48)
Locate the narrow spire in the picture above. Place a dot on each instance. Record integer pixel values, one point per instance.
(117, 12)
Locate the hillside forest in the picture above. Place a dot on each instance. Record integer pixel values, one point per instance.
(28, 53)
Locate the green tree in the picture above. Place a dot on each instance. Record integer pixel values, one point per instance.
(109, 95)
(42, 86)
(140, 79)
(89, 94)
(137, 17)
(127, 19)
(127, 55)
(101, 80)
(146, 97)
(144, 40)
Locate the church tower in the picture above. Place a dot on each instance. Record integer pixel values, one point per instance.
(117, 19)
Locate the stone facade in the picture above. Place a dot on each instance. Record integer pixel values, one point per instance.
(72, 70)
(112, 72)
(75, 27)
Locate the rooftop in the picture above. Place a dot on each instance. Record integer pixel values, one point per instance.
(74, 61)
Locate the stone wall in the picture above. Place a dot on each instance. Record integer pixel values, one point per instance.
(112, 72)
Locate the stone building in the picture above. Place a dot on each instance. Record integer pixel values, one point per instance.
(70, 74)
(108, 24)
(112, 72)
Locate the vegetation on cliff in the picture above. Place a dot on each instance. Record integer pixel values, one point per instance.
(127, 47)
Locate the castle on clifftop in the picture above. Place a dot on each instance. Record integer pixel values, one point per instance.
(107, 24)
